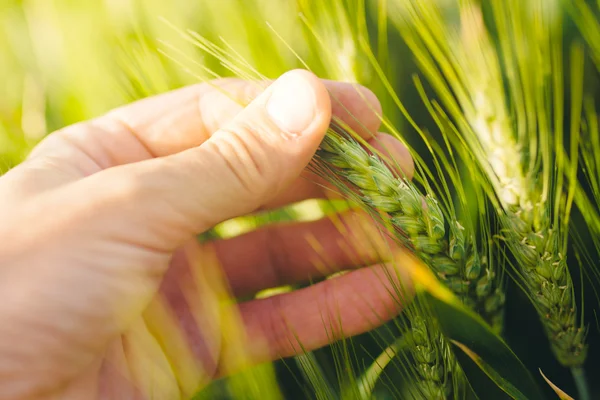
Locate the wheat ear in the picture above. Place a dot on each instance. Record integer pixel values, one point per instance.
(533, 239)
(510, 148)
(419, 223)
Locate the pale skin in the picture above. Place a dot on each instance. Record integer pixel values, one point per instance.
(99, 251)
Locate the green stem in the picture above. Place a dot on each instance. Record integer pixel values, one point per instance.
(581, 383)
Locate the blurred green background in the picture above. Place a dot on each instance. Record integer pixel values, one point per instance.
(62, 60)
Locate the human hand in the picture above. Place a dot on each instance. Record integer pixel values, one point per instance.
(105, 293)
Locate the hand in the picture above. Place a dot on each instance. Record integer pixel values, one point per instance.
(105, 293)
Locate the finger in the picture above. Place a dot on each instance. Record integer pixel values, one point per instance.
(357, 106)
(313, 317)
(182, 119)
(282, 255)
(239, 169)
(275, 327)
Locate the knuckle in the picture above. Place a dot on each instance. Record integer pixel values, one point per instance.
(276, 328)
(249, 158)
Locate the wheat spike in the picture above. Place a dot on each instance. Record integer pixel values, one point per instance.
(545, 273)
(513, 148)
(533, 240)
(428, 347)
(419, 223)
(436, 364)
(485, 110)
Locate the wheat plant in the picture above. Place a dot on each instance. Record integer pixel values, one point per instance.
(504, 112)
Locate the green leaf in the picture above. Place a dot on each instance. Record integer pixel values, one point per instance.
(504, 384)
(479, 382)
(472, 335)
(485, 348)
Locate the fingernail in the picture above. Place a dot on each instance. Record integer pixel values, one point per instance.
(292, 103)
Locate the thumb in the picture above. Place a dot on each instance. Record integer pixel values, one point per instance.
(238, 169)
(266, 147)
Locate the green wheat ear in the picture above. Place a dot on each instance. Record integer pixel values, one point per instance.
(505, 113)
(417, 220)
